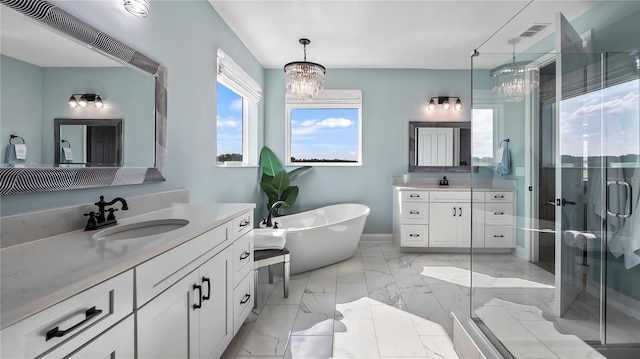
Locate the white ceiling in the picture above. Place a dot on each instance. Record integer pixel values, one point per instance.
(426, 34)
(28, 41)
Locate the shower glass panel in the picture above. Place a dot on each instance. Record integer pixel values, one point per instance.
(575, 159)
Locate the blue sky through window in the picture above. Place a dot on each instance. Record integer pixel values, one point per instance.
(229, 121)
(327, 134)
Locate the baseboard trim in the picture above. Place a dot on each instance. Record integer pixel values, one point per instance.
(376, 237)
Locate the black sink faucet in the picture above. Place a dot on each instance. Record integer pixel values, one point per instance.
(97, 220)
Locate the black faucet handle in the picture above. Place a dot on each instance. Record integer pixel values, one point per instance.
(275, 225)
(111, 216)
(92, 222)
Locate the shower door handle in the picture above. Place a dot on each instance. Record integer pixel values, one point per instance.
(628, 205)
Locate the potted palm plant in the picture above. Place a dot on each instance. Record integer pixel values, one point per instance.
(276, 181)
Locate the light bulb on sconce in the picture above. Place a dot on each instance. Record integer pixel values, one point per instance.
(84, 99)
(445, 102)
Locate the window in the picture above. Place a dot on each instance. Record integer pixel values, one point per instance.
(486, 132)
(326, 131)
(237, 114)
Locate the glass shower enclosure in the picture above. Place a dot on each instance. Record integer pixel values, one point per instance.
(571, 287)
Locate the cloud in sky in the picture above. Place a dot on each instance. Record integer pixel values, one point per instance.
(228, 122)
(307, 127)
(236, 104)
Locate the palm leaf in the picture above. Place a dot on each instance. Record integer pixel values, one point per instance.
(269, 162)
(290, 195)
(281, 181)
(293, 174)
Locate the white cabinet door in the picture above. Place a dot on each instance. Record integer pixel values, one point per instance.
(443, 222)
(216, 314)
(463, 226)
(115, 343)
(168, 325)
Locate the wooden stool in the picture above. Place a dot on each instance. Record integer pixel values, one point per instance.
(267, 257)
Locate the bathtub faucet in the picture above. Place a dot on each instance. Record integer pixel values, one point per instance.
(273, 207)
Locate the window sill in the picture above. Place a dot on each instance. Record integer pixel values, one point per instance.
(234, 165)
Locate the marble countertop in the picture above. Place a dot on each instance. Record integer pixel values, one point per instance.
(455, 184)
(38, 274)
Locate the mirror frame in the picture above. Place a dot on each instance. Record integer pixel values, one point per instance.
(16, 180)
(413, 126)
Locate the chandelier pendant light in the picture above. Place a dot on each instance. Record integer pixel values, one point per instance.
(304, 79)
(515, 80)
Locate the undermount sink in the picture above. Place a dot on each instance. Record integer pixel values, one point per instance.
(141, 229)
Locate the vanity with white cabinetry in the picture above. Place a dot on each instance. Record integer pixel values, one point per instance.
(74, 296)
(426, 215)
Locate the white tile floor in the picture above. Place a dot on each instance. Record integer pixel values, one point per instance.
(383, 303)
(373, 305)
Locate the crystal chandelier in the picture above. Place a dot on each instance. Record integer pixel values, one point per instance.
(302, 78)
(515, 80)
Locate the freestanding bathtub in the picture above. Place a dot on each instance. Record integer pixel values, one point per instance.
(323, 236)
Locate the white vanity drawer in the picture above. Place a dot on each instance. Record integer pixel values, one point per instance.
(242, 301)
(75, 320)
(242, 257)
(415, 196)
(499, 196)
(159, 273)
(450, 196)
(413, 235)
(415, 213)
(498, 214)
(242, 224)
(499, 237)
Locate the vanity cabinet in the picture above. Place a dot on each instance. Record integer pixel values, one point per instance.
(187, 302)
(452, 218)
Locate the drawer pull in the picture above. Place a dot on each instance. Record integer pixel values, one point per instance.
(245, 223)
(245, 299)
(454, 211)
(414, 212)
(208, 281)
(498, 236)
(244, 255)
(89, 314)
(413, 195)
(414, 235)
(199, 304)
(460, 214)
(498, 213)
(498, 196)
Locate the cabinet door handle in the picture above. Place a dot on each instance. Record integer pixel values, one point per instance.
(208, 281)
(454, 211)
(245, 298)
(199, 304)
(244, 255)
(498, 213)
(498, 236)
(414, 235)
(414, 212)
(414, 195)
(244, 223)
(460, 214)
(498, 196)
(89, 314)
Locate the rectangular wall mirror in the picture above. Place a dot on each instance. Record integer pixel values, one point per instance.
(73, 57)
(439, 146)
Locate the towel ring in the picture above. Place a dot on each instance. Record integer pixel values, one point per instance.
(63, 142)
(506, 140)
(11, 137)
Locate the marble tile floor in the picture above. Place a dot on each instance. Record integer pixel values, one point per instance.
(383, 303)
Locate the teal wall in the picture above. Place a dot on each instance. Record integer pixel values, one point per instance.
(390, 99)
(20, 106)
(184, 36)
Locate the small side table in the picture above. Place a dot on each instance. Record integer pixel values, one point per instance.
(268, 257)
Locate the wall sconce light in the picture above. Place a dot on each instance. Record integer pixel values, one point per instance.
(84, 100)
(444, 101)
(139, 8)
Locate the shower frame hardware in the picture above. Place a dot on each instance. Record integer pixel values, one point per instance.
(11, 137)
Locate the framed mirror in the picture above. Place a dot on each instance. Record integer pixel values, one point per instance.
(439, 146)
(110, 69)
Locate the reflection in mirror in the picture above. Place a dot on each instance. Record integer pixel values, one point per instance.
(88, 143)
(37, 81)
(439, 146)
